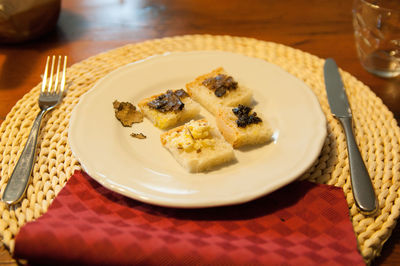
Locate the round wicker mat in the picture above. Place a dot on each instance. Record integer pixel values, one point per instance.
(375, 128)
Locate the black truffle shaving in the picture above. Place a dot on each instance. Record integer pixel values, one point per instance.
(181, 93)
(220, 84)
(169, 101)
(126, 113)
(244, 117)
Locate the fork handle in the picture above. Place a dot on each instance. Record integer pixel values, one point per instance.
(20, 177)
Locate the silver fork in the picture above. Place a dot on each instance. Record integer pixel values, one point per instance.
(50, 96)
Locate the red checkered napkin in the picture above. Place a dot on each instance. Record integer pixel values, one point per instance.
(300, 224)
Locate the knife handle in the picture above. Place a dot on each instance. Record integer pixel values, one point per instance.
(363, 191)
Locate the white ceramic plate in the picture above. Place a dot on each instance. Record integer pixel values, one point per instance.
(142, 169)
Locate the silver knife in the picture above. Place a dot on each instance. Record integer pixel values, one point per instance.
(363, 191)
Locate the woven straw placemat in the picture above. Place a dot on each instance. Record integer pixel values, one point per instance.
(375, 128)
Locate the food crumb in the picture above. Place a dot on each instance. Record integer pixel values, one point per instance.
(138, 135)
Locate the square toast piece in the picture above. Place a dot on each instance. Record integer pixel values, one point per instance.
(217, 89)
(250, 134)
(163, 118)
(197, 146)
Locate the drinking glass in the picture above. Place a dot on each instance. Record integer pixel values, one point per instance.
(377, 35)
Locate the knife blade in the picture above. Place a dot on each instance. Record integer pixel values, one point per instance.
(363, 191)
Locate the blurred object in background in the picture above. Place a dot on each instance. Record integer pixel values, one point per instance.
(377, 33)
(23, 20)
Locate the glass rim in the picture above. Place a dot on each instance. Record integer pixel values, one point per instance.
(377, 6)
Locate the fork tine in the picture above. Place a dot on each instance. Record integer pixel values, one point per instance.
(51, 75)
(57, 75)
(63, 75)
(47, 84)
(44, 81)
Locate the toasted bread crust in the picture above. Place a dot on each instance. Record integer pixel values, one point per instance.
(227, 128)
(200, 79)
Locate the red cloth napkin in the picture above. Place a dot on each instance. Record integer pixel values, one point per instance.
(301, 224)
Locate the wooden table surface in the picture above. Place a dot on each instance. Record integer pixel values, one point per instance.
(88, 27)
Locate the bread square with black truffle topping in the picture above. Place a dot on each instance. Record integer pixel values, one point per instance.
(242, 126)
(169, 108)
(218, 89)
